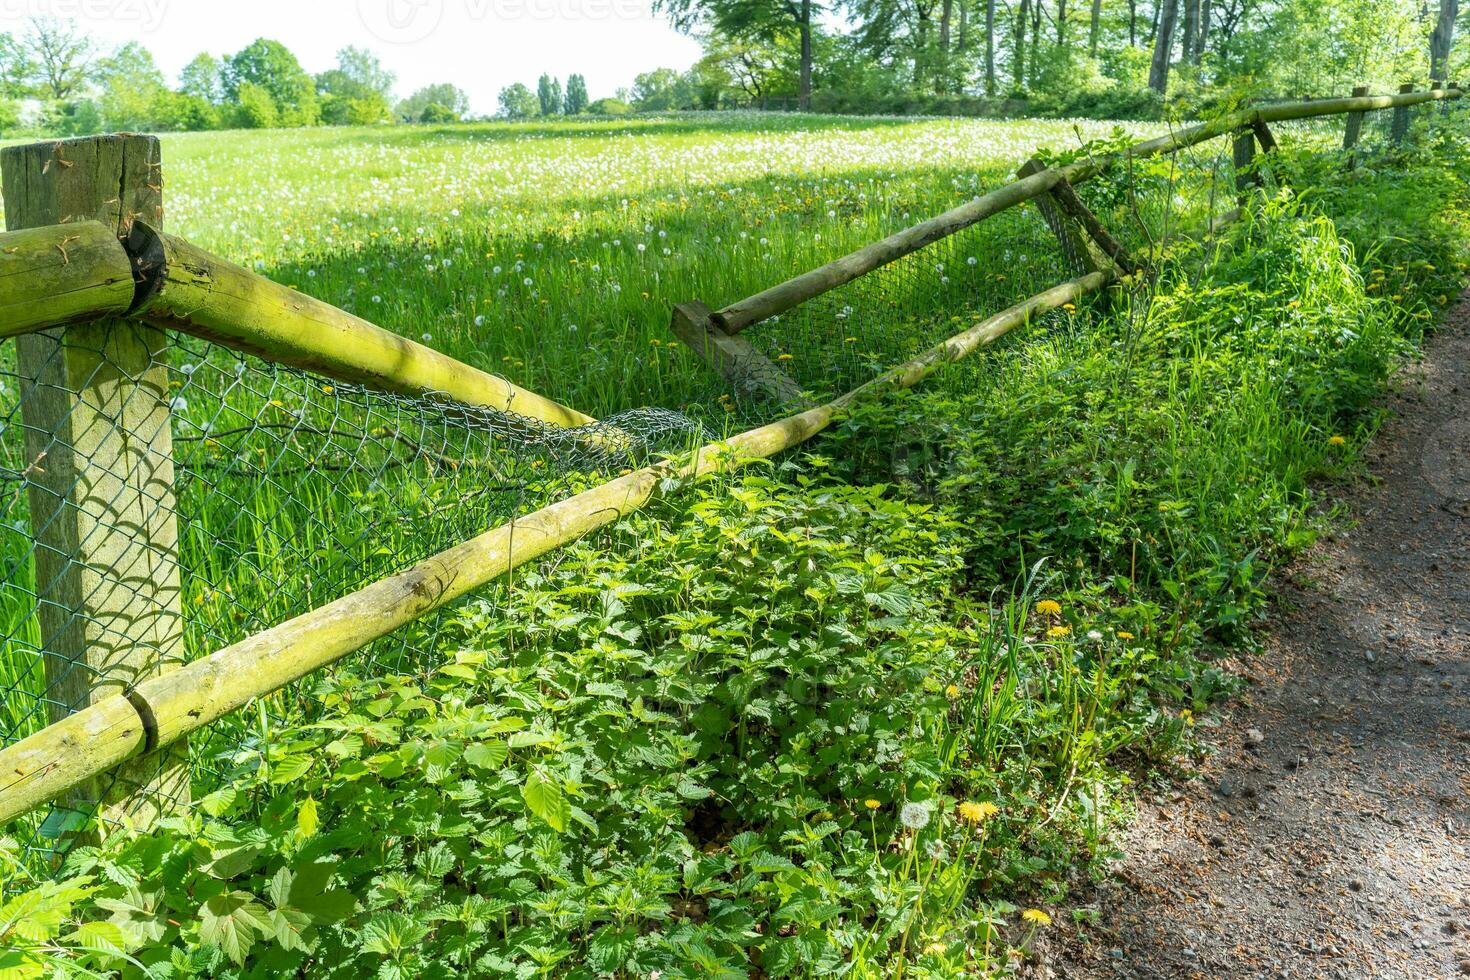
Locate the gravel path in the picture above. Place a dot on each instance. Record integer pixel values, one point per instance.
(1329, 835)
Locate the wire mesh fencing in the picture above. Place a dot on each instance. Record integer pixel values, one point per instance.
(246, 494)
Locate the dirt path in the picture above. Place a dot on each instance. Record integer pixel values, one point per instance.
(1330, 834)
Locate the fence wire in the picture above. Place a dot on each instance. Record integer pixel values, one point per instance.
(289, 490)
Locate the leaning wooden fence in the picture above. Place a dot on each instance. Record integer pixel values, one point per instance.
(82, 257)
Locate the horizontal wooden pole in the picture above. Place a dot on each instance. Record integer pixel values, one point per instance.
(47, 764)
(763, 305)
(784, 296)
(206, 296)
(55, 275)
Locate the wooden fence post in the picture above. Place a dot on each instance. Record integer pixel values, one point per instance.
(1354, 128)
(1074, 239)
(100, 477)
(1401, 116)
(1243, 156)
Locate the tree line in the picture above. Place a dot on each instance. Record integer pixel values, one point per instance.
(1109, 58)
(67, 84)
(1104, 58)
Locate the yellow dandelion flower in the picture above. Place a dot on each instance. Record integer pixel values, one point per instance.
(934, 949)
(784, 357)
(1124, 635)
(1036, 917)
(1048, 607)
(1070, 307)
(952, 692)
(1058, 631)
(871, 804)
(1336, 441)
(977, 812)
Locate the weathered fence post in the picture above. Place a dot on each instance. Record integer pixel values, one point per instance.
(1354, 127)
(1243, 156)
(1074, 239)
(100, 477)
(1401, 116)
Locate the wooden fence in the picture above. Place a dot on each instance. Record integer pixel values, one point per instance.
(82, 257)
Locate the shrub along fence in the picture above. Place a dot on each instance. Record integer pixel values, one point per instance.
(215, 482)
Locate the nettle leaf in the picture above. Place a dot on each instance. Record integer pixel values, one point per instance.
(547, 800)
(230, 923)
(389, 933)
(612, 689)
(610, 948)
(487, 755)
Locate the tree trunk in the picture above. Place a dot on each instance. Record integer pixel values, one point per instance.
(1061, 23)
(1158, 73)
(1442, 38)
(1191, 31)
(946, 12)
(1018, 56)
(990, 47)
(1133, 23)
(1094, 29)
(1202, 41)
(804, 86)
(1034, 71)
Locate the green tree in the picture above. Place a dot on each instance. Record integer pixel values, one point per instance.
(203, 79)
(59, 58)
(356, 91)
(133, 93)
(765, 20)
(518, 102)
(254, 107)
(449, 96)
(548, 94)
(271, 66)
(662, 89)
(576, 102)
(15, 67)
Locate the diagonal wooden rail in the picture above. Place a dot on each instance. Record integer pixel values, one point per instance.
(162, 710)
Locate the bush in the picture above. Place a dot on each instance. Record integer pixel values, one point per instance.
(254, 108)
(436, 113)
(609, 107)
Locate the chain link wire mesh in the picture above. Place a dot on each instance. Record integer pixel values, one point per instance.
(282, 491)
(290, 490)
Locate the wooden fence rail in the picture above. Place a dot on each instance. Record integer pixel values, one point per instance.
(174, 285)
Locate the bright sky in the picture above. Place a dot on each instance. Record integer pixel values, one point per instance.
(479, 45)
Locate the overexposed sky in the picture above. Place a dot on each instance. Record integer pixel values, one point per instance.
(479, 45)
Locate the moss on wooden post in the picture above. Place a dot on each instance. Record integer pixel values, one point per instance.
(1243, 157)
(1074, 239)
(100, 475)
(1400, 128)
(1354, 128)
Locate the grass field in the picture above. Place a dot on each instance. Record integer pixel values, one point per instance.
(553, 252)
